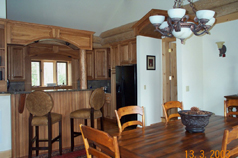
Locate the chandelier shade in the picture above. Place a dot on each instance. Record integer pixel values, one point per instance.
(177, 23)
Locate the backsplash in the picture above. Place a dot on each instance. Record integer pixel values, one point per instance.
(16, 86)
(93, 84)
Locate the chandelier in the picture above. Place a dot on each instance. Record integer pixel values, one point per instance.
(177, 23)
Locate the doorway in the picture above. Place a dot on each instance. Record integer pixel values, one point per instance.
(169, 66)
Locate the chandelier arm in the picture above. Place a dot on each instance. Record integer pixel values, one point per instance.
(199, 34)
(164, 33)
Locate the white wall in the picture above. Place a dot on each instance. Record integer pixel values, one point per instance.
(190, 72)
(220, 74)
(151, 97)
(208, 76)
(3, 9)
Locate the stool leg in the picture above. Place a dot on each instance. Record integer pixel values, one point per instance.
(37, 140)
(60, 138)
(92, 117)
(101, 121)
(72, 133)
(30, 137)
(85, 122)
(49, 138)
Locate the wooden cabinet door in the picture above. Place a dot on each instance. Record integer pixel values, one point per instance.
(132, 52)
(101, 70)
(124, 51)
(115, 56)
(90, 64)
(17, 63)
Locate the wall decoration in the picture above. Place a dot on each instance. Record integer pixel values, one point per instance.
(150, 62)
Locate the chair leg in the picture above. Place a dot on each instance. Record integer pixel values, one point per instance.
(30, 137)
(37, 140)
(60, 138)
(101, 121)
(72, 133)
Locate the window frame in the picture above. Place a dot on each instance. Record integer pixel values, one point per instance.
(68, 76)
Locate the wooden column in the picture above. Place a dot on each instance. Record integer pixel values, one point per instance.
(83, 69)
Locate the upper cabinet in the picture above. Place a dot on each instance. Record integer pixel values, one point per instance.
(90, 64)
(123, 53)
(3, 57)
(101, 64)
(16, 63)
(98, 64)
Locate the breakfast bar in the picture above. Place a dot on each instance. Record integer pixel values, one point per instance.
(65, 101)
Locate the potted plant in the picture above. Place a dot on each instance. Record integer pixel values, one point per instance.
(195, 120)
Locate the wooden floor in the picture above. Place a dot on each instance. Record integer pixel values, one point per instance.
(109, 126)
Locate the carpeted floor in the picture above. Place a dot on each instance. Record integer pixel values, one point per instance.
(78, 152)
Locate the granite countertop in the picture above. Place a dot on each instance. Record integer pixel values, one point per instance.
(48, 90)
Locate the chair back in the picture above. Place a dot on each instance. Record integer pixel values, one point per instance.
(97, 99)
(228, 107)
(133, 109)
(99, 138)
(170, 105)
(39, 103)
(227, 138)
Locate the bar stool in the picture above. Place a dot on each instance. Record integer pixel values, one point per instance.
(40, 104)
(97, 100)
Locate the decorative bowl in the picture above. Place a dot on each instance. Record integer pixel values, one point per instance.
(195, 123)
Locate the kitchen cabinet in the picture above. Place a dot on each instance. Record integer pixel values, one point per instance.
(3, 57)
(90, 64)
(123, 53)
(16, 62)
(127, 51)
(98, 64)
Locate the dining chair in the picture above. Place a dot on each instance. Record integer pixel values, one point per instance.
(229, 105)
(40, 104)
(101, 139)
(228, 136)
(128, 110)
(96, 101)
(171, 105)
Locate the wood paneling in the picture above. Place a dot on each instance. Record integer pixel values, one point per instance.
(25, 33)
(64, 103)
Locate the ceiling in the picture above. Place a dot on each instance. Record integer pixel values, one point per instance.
(92, 15)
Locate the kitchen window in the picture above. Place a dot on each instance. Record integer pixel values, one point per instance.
(49, 73)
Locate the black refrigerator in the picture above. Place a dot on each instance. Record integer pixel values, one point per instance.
(126, 89)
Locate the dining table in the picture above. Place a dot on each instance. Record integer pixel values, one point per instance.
(171, 140)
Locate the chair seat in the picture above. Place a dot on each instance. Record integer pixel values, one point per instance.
(43, 120)
(85, 114)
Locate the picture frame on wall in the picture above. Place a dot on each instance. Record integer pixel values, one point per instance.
(150, 62)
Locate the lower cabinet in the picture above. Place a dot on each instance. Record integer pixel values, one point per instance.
(16, 62)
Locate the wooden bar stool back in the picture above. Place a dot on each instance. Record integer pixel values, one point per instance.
(99, 138)
(40, 104)
(228, 137)
(127, 111)
(229, 105)
(96, 101)
(171, 105)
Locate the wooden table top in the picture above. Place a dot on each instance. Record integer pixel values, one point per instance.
(172, 141)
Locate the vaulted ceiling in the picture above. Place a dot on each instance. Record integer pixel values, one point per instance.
(99, 15)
